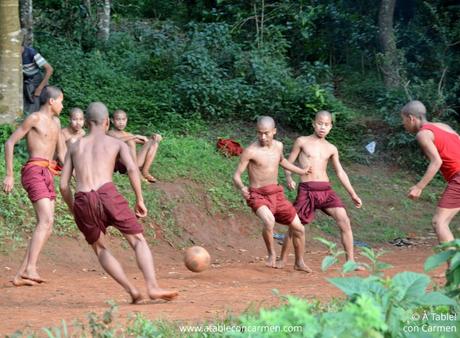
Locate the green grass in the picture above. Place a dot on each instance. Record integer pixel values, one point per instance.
(194, 161)
(188, 159)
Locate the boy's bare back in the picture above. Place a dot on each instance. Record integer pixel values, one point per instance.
(93, 158)
(263, 163)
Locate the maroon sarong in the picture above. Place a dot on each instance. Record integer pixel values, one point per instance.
(37, 178)
(96, 210)
(315, 195)
(272, 196)
(120, 167)
(450, 198)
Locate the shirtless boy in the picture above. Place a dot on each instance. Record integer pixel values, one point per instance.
(98, 204)
(441, 144)
(42, 131)
(75, 129)
(144, 158)
(315, 190)
(265, 197)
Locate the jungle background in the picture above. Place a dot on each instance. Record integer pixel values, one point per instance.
(198, 70)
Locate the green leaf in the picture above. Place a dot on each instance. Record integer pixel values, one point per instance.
(436, 260)
(349, 266)
(436, 298)
(350, 285)
(327, 262)
(455, 262)
(329, 244)
(410, 285)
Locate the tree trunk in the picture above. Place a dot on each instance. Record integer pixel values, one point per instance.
(27, 23)
(10, 62)
(390, 63)
(103, 19)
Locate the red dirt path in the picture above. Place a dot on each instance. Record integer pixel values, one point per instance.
(237, 280)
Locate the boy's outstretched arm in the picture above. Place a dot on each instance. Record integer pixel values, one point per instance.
(292, 157)
(61, 148)
(343, 178)
(425, 139)
(17, 135)
(245, 157)
(64, 183)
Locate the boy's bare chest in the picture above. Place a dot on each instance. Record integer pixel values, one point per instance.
(46, 130)
(315, 152)
(267, 159)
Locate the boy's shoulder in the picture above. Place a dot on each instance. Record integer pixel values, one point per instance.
(113, 133)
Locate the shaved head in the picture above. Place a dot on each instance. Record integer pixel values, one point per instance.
(97, 113)
(75, 111)
(414, 108)
(49, 92)
(322, 113)
(119, 112)
(265, 121)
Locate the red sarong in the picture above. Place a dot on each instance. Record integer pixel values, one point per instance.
(120, 167)
(315, 195)
(37, 178)
(272, 196)
(96, 210)
(450, 198)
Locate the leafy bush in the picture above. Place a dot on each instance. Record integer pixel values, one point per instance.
(448, 253)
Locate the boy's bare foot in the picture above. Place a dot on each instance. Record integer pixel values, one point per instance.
(302, 267)
(358, 267)
(167, 295)
(35, 277)
(271, 262)
(280, 264)
(149, 178)
(136, 298)
(19, 281)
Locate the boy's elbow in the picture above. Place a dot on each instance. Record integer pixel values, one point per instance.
(437, 163)
(9, 144)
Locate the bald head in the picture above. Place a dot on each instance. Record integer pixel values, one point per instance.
(265, 121)
(75, 111)
(49, 92)
(96, 113)
(414, 108)
(323, 113)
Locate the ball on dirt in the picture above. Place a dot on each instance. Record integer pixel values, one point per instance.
(197, 259)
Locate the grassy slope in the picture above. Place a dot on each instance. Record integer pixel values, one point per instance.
(384, 215)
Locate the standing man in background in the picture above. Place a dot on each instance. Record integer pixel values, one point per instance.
(34, 80)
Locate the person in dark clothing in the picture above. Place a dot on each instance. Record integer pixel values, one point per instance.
(34, 80)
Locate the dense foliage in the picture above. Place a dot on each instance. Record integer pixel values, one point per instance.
(169, 62)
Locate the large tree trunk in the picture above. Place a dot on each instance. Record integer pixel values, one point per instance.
(26, 8)
(390, 63)
(103, 19)
(10, 62)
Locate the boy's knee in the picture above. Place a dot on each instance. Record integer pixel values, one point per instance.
(269, 226)
(297, 228)
(436, 223)
(344, 224)
(46, 223)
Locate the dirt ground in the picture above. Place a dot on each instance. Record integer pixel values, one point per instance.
(236, 281)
